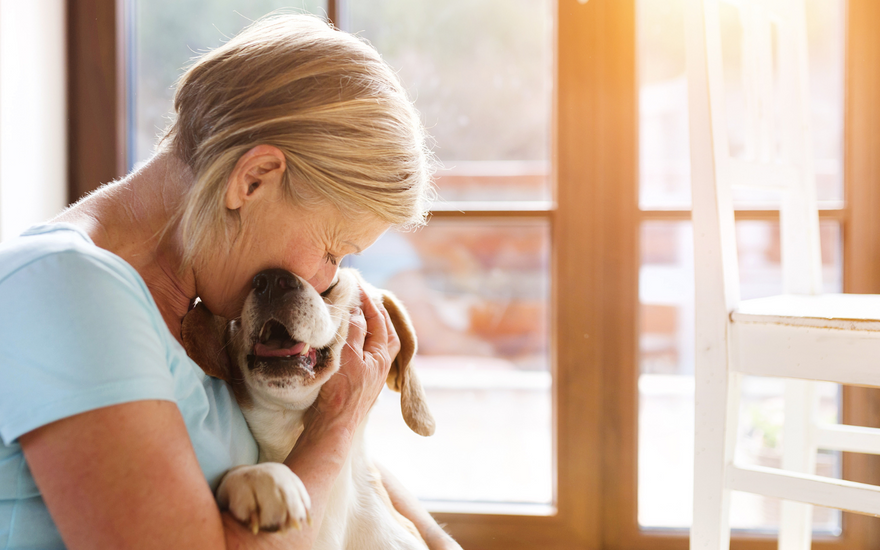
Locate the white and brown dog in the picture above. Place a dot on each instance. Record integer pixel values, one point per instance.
(276, 358)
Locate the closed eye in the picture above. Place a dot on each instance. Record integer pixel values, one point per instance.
(330, 288)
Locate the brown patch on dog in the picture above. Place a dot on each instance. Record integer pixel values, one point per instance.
(205, 340)
(402, 378)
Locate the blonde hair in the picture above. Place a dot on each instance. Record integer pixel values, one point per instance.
(326, 99)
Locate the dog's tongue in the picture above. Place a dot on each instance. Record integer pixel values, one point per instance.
(276, 348)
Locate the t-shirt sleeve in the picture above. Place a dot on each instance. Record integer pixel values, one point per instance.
(77, 333)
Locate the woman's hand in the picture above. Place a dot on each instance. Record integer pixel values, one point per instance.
(371, 346)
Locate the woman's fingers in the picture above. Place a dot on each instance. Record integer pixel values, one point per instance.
(393, 338)
(381, 335)
(371, 345)
(372, 340)
(377, 331)
(357, 330)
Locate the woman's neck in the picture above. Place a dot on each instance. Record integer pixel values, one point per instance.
(135, 219)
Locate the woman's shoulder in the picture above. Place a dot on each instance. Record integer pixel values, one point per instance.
(62, 253)
(78, 331)
(55, 281)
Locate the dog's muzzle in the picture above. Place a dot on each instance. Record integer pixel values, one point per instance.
(275, 352)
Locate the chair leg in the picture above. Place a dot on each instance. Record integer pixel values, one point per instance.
(795, 527)
(799, 455)
(717, 404)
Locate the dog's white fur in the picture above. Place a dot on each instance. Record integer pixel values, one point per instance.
(268, 495)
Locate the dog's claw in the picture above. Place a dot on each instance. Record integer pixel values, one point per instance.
(308, 518)
(255, 523)
(266, 496)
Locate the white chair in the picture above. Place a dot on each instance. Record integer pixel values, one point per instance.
(800, 336)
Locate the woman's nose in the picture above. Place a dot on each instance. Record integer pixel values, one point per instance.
(325, 276)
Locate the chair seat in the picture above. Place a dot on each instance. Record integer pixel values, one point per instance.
(829, 337)
(834, 311)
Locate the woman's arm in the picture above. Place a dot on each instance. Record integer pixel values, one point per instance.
(126, 476)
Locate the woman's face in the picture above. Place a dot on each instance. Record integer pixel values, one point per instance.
(307, 241)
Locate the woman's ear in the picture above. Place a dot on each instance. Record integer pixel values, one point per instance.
(260, 168)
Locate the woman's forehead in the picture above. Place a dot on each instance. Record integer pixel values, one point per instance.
(349, 233)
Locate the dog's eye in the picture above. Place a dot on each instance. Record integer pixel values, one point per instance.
(329, 289)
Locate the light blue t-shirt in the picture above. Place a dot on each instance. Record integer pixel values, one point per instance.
(78, 331)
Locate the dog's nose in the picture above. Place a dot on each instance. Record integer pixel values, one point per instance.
(274, 283)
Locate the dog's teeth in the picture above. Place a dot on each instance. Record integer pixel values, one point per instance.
(305, 350)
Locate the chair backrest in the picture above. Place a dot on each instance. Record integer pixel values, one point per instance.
(777, 149)
(777, 156)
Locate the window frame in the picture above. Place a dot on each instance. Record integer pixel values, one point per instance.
(96, 94)
(595, 220)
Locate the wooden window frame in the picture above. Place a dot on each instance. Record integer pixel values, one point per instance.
(595, 258)
(96, 94)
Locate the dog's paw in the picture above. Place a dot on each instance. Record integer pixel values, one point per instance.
(265, 496)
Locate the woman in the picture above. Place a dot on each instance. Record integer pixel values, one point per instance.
(293, 146)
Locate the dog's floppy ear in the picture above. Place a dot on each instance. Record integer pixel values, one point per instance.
(203, 335)
(402, 377)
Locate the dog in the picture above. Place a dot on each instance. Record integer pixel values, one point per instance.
(286, 345)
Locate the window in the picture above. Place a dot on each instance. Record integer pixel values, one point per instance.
(588, 228)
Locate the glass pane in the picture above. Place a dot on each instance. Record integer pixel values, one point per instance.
(481, 75)
(666, 383)
(664, 158)
(165, 36)
(478, 295)
(663, 128)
